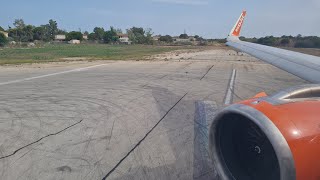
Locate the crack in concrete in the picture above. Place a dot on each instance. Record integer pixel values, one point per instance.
(53, 134)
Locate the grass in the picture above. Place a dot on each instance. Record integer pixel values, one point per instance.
(52, 53)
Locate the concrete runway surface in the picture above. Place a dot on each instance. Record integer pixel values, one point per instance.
(122, 120)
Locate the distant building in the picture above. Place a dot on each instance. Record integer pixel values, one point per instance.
(31, 44)
(60, 37)
(124, 38)
(12, 43)
(156, 38)
(85, 37)
(178, 39)
(189, 39)
(74, 41)
(192, 38)
(5, 33)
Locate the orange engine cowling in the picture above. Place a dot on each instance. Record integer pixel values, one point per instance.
(269, 138)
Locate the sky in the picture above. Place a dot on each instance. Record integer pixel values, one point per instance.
(207, 18)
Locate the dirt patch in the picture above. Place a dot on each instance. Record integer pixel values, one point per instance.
(61, 64)
(188, 54)
(75, 59)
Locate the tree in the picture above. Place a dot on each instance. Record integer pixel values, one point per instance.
(22, 32)
(184, 36)
(284, 41)
(41, 33)
(148, 37)
(3, 40)
(167, 39)
(38, 33)
(74, 35)
(119, 31)
(242, 38)
(304, 44)
(63, 32)
(19, 23)
(110, 36)
(18, 33)
(52, 28)
(139, 35)
(137, 31)
(269, 41)
(98, 33)
(1, 29)
(298, 41)
(136, 35)
(27, 34)
(92, 36)
(14, 34)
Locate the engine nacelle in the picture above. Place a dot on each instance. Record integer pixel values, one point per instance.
(269, 138)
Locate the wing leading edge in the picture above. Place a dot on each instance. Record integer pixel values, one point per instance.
(302, 65)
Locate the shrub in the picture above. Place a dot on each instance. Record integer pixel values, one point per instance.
(3, 40)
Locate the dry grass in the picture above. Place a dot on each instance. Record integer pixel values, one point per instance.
(311, 51)
(65, 52)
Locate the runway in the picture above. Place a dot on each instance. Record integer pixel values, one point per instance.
(122, 119)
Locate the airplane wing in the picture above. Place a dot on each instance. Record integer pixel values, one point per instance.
(304, 66)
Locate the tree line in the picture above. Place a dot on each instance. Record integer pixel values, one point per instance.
(298, 41)
(28, 33)
(22, 32)
(169, 39)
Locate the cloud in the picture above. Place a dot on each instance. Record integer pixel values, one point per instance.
(183, 2)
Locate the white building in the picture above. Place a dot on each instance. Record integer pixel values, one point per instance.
(189, 39)
(156, 38)
(192, 38)
(74, 41)
(178, 39)
(124, 38)
(60, 37)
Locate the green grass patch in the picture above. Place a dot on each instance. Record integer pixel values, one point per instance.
(50, 53)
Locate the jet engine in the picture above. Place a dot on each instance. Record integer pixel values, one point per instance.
(269, 137)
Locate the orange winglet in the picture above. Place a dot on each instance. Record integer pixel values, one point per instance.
(238, 26)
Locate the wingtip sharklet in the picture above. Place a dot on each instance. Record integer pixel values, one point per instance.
(236, 30)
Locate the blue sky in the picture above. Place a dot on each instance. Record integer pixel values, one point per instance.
(207, 18)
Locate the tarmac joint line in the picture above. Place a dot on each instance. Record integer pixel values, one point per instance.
(145, 136)
(206, 73)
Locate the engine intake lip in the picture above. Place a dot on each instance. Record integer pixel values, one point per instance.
(278, 142)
